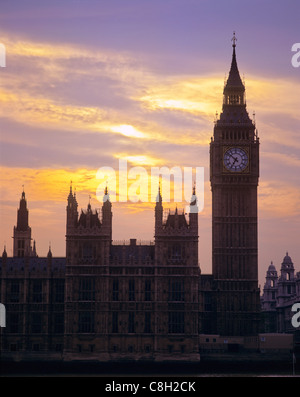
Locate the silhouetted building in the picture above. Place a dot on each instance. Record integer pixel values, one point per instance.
(279, 295)
(108, 301)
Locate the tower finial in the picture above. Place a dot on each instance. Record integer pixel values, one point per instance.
(158, 197)
(234, 40)
(49, 252)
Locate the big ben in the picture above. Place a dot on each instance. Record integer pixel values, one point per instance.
(234, 173)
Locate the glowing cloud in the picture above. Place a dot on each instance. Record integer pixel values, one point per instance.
(128, 130)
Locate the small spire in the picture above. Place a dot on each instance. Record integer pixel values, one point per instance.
(193, 203)
(34, 249)
(106, 198)
(158, 197)
(49, 252)
(70, 197)
(89, 204)
(4, 254)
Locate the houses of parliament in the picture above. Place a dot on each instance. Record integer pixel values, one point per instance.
(110, 302)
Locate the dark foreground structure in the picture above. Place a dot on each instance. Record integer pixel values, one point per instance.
(106, 302)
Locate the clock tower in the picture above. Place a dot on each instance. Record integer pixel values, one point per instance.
(234, 172)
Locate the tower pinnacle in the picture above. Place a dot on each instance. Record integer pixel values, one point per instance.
(234, 80)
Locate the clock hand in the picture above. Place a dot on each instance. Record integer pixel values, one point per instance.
(234, 158)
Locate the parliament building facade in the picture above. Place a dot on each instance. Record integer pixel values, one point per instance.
(133, 301)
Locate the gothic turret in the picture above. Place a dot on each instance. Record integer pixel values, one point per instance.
(72, 211)
(269, 301)
(193, 214)
(22, 220)
(4, 254)
(22, 232)
(158, 211)
(286, 282)
(287, 268)
(270, 289)
(107, 213)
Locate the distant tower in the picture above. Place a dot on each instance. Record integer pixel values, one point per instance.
(269, 300)
(22, 232)
(286, 282)
(270, 288)
(234, 172)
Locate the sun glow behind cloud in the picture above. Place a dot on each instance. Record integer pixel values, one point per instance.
(128, 130)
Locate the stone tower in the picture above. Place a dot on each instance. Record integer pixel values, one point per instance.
(177, 278)
(22, 232)
(286, 282)
(234, 172)
(88, 242)
(269, 300)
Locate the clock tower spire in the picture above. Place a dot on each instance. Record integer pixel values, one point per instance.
(234, 171)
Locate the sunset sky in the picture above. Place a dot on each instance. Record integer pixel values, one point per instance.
(87, 83)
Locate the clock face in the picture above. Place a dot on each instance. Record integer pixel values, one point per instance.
(235, 159)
